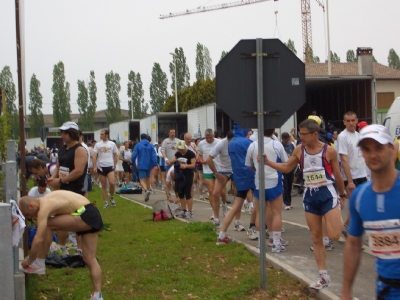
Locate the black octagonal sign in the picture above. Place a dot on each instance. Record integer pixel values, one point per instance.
(284, 89)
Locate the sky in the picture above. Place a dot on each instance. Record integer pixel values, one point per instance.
(127, 35)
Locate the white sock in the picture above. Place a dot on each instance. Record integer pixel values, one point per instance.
(41, 262)
(323, 272)
(222, 235)
(277, 237)
(326, 240)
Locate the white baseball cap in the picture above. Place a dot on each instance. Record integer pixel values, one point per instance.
(376, 132)
(69, 125)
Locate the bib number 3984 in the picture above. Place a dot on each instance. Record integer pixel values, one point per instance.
(384, 238)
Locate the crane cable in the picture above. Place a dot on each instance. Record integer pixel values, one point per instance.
(276, 20)
(326, 47)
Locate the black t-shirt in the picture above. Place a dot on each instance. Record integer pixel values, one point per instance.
(189, 155)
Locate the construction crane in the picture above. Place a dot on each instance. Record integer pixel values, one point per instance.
(210, 8)
(305, 18)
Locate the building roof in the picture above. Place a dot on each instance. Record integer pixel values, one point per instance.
(350, 69)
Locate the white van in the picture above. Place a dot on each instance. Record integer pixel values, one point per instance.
(392, 120)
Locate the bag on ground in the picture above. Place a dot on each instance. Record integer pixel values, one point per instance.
(162, 211)
(128, 189)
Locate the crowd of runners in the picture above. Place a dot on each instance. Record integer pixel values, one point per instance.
(331, 166)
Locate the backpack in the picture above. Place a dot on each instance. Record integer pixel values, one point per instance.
(162, 211)
(128, 189)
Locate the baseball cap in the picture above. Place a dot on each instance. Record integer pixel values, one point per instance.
(376, 132)
(181, 145)
(143, 136)
(362, 124)
(69, 125)
(316, 119)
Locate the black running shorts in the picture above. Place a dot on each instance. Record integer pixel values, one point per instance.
(92, 217)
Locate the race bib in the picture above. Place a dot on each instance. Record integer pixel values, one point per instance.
(63, 172)
(384, 238)
(315, 177)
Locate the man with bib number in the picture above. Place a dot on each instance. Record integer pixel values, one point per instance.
(375, 209)
(321, 173)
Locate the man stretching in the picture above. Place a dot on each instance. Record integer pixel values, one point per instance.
(63, 211)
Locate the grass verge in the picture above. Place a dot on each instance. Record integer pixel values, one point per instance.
(142, 259)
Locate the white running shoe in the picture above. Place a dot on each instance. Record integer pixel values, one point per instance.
(34, 268)
(283, 242)
(278, 249)
(224, 209)
(239, 227)
(322, 281)
(253, 235)
(146, 196)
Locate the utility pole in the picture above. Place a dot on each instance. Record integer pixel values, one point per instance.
(176, 89)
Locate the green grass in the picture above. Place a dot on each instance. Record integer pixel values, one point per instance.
(142, 259)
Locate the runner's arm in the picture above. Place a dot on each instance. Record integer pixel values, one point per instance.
(287, 167)
(352, 255)
(346, 169)
(211, 165)
(332, 158)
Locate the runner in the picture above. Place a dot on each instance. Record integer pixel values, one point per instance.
(375, 208)
(319, 164)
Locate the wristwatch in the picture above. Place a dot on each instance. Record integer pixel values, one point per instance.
(342, 196)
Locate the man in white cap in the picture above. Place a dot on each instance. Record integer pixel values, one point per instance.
(375, 208)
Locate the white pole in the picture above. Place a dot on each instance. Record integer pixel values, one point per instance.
(176, 89)
(329, 41)
(131, 102)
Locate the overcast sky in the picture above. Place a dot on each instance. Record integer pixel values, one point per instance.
(125, 35)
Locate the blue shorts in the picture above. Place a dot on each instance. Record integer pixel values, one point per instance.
(227, 174)
(144, 173)
(319, 202)
(270, 194)
(392, 294)
(167, 168)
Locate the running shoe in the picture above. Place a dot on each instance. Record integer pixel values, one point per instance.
(253, 235)
(181, 214)
(322, 281)
(328, 247)
(283, 242)
(93, 297)
(152, 191)
(146, 196)
(252, 228)
(239, 227)
(212, 218)
(113, 202)
(246, 206)
(217, 223)
(34, 268)
(224, 209)
(105, 204)
(99, 184)
(224, 241)
(288, 207)
(201, 197)
(278, 249)
(189, 215)
(163, 187)
(283, 229)
(120, 184)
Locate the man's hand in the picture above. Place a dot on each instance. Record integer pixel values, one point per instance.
(94, 170)
(220, 177)
(351, 186)
(53, 182)
(25, 263)
(265, 158)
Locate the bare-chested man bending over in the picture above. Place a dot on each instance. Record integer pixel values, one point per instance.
(68, 211)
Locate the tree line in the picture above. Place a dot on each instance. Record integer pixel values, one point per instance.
(203, 91)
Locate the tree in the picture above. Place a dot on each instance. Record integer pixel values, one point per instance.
(182, 70)
(35, 118)
(83, 102)
(374, 59)
(61, 97)
(158, 89)
(113, 87)
(223, 54)
(290, 45)
(200, 74)
(310, 56)
(393, 59)
(334, 58)
(135, 90)
(200, 93)
(91, 110)
(203, 63)
(350, 56)
(7, 83)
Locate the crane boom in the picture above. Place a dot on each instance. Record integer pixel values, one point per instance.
(213, 7)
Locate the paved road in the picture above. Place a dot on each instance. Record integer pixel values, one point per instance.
(298, 260)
